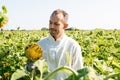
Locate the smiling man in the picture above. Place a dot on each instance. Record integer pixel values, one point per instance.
(57, 44)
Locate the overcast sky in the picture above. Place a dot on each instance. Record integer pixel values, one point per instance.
(83, 14)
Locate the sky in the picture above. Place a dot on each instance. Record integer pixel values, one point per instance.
(83, 14)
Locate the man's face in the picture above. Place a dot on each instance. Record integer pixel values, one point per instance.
(56, 25)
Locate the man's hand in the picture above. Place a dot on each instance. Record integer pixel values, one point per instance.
(30, 66)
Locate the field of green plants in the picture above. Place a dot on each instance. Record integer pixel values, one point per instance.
(100, 50)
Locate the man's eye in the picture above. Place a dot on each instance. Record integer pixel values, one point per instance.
(56, 24)
(50, 22)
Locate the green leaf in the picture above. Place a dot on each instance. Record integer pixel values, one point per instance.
(18, 74)
(4, 9)
(42, 67)
(81, 73)
(117, 75)
(116, 64)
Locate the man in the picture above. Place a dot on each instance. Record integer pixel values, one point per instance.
(58, 44)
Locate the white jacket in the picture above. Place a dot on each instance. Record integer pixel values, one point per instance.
(54, 52)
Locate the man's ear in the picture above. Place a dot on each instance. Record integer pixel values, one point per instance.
(65, 26)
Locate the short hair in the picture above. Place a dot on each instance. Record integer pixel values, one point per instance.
(65, 14)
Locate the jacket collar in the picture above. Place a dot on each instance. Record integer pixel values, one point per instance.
(58, 41)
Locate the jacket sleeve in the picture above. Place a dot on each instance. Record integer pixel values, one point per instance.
(77, 61)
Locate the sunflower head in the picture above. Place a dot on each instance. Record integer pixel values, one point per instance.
(3, 21)
(3, 17)
(34, 51)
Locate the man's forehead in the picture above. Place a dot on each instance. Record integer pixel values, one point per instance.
(57, 16)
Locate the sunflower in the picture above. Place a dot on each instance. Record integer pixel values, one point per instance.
(34, 51)
(3, 17)
(3, 21)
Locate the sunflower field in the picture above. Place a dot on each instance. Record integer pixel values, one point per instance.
(100, 50)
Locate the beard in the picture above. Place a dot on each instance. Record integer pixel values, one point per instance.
(53, 32)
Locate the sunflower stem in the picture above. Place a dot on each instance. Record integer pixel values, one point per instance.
(32, 74)
(61, 68)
